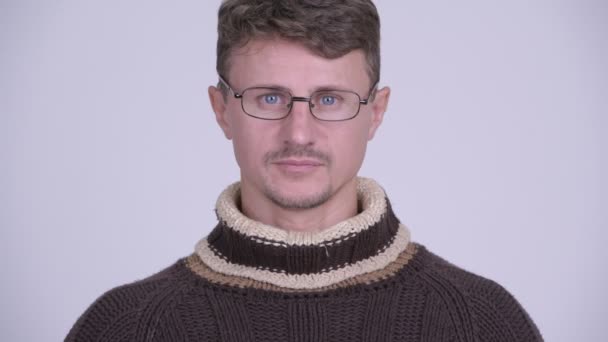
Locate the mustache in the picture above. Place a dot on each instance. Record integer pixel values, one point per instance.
(292, 150)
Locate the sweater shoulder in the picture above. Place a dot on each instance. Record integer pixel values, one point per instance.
(488, 308)
(117, 312)
(434, 267)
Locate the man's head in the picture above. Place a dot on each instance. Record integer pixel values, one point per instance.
(326, 49)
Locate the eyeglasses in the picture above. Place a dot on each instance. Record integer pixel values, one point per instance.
(276, 103)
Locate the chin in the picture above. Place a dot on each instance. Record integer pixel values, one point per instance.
(298, 194)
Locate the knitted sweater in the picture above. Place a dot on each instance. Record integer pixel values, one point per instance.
(360, 280)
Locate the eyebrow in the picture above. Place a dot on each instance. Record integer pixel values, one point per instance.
(271, 86)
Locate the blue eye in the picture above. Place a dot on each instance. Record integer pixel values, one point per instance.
(328, 100)
(271, 99)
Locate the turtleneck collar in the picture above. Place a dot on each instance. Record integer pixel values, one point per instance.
(367, 242)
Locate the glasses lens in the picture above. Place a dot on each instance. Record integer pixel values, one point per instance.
(266, 103)
(334, 105)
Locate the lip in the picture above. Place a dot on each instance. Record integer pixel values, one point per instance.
(298, 166)
(298, 162)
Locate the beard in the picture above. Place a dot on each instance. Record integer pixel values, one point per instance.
(285, 200)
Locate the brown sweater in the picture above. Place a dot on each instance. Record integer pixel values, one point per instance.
(360, 280)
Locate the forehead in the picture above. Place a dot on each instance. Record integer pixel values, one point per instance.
(294, 66)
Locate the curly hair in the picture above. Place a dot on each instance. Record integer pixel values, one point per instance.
(329, 28)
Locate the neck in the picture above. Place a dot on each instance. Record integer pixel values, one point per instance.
(339, 207)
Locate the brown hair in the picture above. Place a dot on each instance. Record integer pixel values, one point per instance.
(329, 28)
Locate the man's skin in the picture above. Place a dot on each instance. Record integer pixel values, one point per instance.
(298, 173)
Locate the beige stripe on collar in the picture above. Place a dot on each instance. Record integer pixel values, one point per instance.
(307, 281)
(370, 194)
(196, 265)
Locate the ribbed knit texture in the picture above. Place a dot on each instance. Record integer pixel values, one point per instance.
(377, 285)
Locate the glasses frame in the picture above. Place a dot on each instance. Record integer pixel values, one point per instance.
(299, 99)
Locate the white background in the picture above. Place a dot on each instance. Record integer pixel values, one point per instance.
(493, 150)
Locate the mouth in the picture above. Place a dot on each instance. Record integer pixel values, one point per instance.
(298, 165)
(299, 162)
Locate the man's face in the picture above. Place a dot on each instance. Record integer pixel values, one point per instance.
(297, 162)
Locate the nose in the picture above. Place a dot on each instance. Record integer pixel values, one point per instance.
(299, 126)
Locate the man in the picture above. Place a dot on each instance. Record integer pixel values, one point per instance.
(304, 250)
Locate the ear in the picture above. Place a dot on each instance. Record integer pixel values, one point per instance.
(379, 106)
(218, 103)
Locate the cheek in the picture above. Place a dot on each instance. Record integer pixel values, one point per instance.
(249, 146)
(349, 146)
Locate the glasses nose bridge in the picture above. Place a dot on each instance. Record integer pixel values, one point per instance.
(301, 99)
